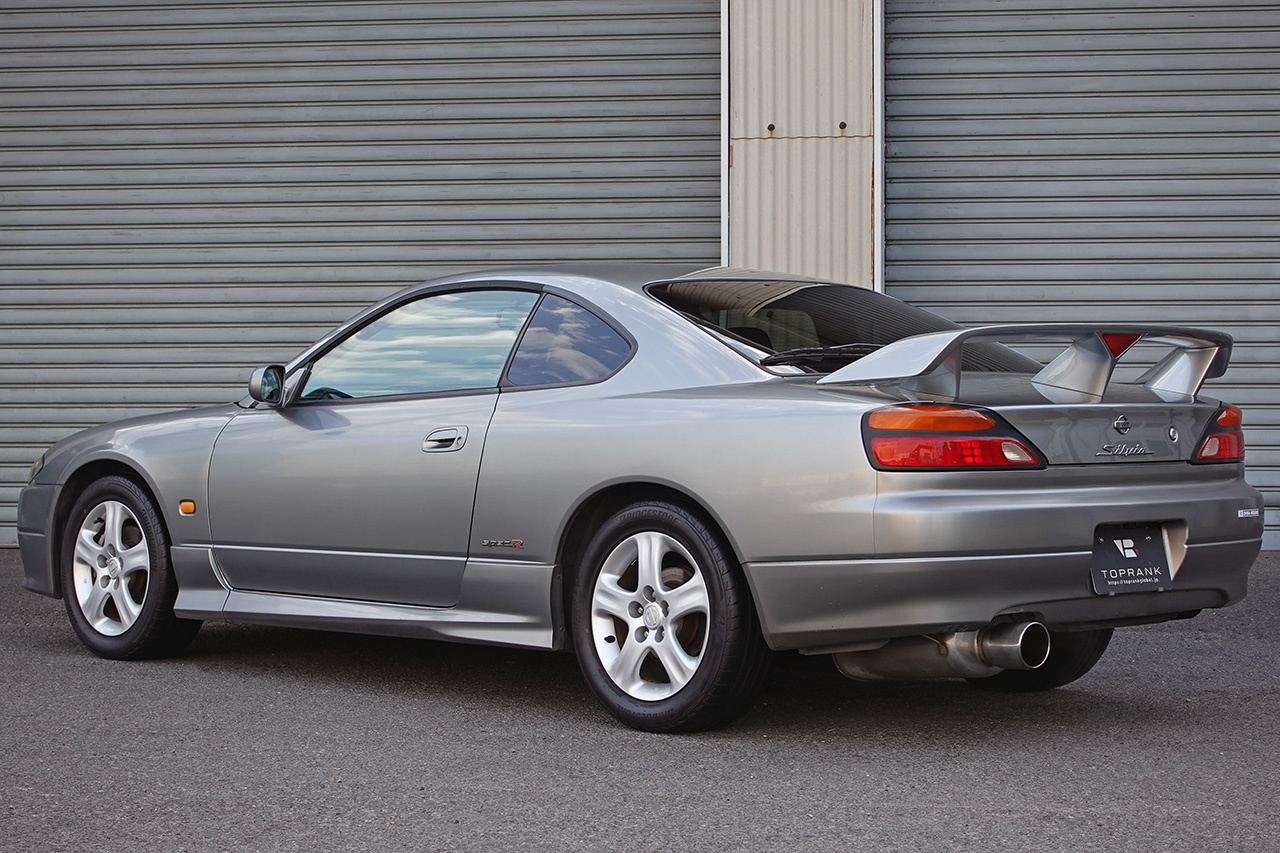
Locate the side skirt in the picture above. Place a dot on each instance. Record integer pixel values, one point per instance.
(503, 602)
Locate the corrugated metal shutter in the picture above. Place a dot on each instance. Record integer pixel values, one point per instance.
(1050, 159)
(189, 190)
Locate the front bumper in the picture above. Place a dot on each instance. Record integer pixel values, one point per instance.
(35, 520)
(957, 558)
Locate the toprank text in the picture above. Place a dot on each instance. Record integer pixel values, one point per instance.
(1131, 574)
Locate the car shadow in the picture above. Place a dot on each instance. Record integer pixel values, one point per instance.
(800, 695)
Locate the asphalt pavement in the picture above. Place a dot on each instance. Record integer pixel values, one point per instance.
(269, 739)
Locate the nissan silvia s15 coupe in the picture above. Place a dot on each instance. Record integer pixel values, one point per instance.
(673, 475)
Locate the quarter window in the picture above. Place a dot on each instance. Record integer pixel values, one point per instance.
(566, 343)
(443, 342)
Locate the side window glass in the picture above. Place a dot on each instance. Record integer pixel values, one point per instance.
(444, 342)
(566, 343)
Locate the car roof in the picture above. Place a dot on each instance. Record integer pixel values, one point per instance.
(633, 276)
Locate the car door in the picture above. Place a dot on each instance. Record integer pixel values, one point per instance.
(544, 444)
(362, 486)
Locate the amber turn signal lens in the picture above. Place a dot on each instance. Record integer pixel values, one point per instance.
(930, 419)
(1231, 417)
(187, 507)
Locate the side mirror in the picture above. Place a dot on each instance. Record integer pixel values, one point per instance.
(266, 385)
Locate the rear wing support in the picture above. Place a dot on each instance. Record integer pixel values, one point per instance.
(930, 363)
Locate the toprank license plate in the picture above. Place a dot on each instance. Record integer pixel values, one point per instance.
(1130, 558)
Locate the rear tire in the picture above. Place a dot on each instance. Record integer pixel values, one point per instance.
(665, 630)
(1071, 655)
(117, 583)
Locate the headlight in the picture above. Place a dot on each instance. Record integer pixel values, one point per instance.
(35, 469)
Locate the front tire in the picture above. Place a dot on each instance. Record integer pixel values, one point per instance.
(663, 623)
(117, 583)
(1071, 655)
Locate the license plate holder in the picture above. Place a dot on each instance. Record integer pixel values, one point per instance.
(1130, 558)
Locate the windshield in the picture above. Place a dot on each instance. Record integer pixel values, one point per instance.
(816, 327)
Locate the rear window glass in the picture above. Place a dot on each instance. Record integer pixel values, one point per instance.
(778, 316)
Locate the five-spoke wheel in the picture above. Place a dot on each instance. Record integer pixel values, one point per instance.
(649, 616)
(111, 568)
(116, 580)
(665, 629)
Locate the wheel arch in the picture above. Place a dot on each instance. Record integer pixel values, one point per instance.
(590, 514)
(77, 481)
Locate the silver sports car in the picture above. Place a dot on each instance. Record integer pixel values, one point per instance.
(675, 475)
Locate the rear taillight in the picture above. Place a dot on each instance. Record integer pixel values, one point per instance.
(930, 435)
(1224, 440)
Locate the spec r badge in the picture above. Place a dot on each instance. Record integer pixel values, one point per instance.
(502, 543)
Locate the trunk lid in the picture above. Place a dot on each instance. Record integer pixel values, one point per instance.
(1129, 425)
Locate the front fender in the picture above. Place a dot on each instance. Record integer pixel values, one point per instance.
(170, 453)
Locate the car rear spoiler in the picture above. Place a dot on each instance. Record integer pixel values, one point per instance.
(930, 363)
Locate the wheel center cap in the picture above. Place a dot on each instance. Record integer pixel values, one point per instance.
(652, 616)
(113, 567)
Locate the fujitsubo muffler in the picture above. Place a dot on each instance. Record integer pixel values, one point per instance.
(968, 654)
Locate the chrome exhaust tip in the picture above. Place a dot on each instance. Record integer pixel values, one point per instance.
(1015, 645)
(968, 654)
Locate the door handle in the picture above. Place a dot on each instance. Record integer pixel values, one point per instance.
(445, 439)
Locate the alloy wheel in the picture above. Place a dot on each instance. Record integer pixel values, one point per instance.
(111, 568)
(650, 612)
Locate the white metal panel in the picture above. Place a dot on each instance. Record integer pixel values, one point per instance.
(800, 124)
(1054, 160)
(802, 206)
(189, 190)
(800, 66)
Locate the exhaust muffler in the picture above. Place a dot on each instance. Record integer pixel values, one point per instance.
(967, 654)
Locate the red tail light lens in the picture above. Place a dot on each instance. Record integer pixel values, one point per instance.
(1224, 440)
(923, 451)
(1222, 447)
(926, 435)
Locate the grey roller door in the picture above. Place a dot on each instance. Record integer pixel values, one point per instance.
(1048, 159)
(189, 190)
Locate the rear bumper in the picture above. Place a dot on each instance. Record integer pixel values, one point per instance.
(957, 558)
(822, 604)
